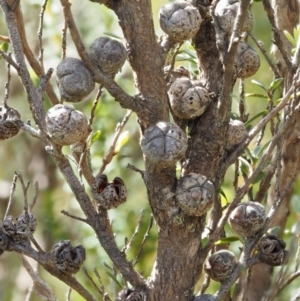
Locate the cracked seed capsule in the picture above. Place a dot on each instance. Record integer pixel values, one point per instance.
(109, 195)
(65, 125)
(67, 258)
(180, 20)
(164, 143)
(75, 81)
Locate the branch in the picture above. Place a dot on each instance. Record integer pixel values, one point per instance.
(125, 100)
(239, 150)
(39, 285)
(30, 56)
(278, 41)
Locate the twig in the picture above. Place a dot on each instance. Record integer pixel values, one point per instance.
(12, 191)
(29, 129)
(36, 193)
(125, 100)
(93, 282)
(205, 285)
(99, 279)
(34, 63)
(261, 47)
(132, 167)
(40, 34)
(64, 40)
(95, 103)
(7, 90)
(143, 241)
(69, 294)
(284, 283)
(173, 62)
(40, 286)
(112, 150)
(9, 60)
(136, 231)
(4, 39)
(239, 149)
(74, 217)
(44, 79)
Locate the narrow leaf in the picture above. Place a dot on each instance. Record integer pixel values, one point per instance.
(260, 153)
(222, 193)
(275, 83)
(290, 37)
(190, 53)
(259, 177)
(262, 113)
(112, 35)
(256, 82)
(245, 166)
(114, 279)
(227, 240)
(123, 139)
(274, 231)
(256, 95)
(95, 137)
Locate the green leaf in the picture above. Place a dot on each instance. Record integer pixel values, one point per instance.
(123, 139)
(256, 82)
(275, 83)
(4, 47)
(95, 137)
(227, 240)
(262, 113)
(275, 230)
(114, 279)
(245, 166)
(190, 53)
(256, 95)
(222, 193)
(259, 177)
(204, 241)
(290, 38)
(260, 153)
(258, 0)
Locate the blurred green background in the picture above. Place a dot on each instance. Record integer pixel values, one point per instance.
(28, 155)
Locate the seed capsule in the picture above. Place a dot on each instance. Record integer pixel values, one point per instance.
(108, 55)
(75, 81)
(180, 20)
(164, 143)
(220, 265)
(8, 128)
(187, 98)
(65, 125)
(237, 132)
(195, 194)
(247, 218)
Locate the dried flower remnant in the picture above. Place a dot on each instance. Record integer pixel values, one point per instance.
(75, 81)
(220, 265)
(65, 125)
(180, 20)
(195, 194)
(247, 218)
